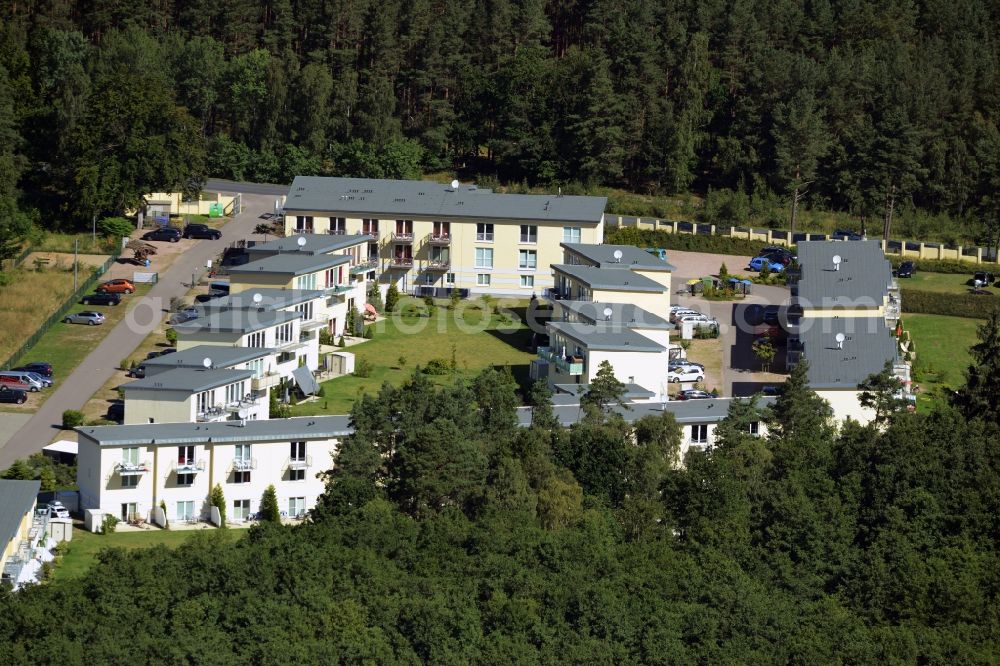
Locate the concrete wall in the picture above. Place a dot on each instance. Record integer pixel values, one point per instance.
(845, 403)
(657, 303)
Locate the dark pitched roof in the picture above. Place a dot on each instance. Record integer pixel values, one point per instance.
(617, 279)
(16, 499)
(685, 411)
(425, 199)
(862, 279)
(631, 256)
(868, 344)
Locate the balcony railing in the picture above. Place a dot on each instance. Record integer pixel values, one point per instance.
(437, 265)
(265, 381)
(565, 366)
(248, 401)
(189, 466)
(364, 267)
(125, 468)
(439, 239)
(299, 463)
(402, 236)
(337, 290)
(337, 232)
(244, 464)
(401, 262)
(302, 230)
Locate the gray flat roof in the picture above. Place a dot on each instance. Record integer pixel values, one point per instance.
(863, 277)
(632, 256)
(239, 321)
(868, 344)
(626, 314)
(606, 338)
(291, 263)
(632, 391)
(222, 357)
(407, 199)
(189, 380)
(273, 430)
(271, 299)
(708, 410)
(617, 279)
(315, 243)
(16, 499)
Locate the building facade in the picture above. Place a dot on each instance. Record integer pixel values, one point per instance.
(19, 528)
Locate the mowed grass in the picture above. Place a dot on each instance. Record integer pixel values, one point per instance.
(81, 552)
(403, 342)
(28, 298)
(942, 345)
(948, 283)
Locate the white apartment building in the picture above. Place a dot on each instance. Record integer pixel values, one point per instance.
(194, 394)
(432, 238)
(128, 470)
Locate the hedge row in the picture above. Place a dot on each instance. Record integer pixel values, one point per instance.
(687, 242)
(955, 305)
(951, 266)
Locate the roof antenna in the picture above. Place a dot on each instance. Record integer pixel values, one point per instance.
(836, 262)
(618, 256)
(607, 314)
(840, 337)
(454, 185)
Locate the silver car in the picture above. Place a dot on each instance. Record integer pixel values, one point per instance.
(85, 317)
(32, 379)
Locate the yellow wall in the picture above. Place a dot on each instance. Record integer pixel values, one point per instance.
(662, 277)
(240, 282)
(658, 304)
(845, 404)
(161, 406)
(22, 534)
(505, 275)
(180, 207)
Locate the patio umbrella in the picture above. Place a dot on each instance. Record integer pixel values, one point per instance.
(370, 309)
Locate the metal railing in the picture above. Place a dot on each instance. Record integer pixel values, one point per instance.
(189, 466)
(244, 464)
(439, 239)
(299, 463)
(566, 366)
(402, 236)
(125, 468)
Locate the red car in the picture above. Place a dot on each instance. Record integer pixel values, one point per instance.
(13, 382)
(120, 286)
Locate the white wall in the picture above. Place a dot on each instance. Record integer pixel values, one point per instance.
(845, 404)
(647, 369)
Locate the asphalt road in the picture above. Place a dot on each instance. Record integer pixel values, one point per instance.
(121, 341)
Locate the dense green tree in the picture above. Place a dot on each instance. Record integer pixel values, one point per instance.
(605, 392)
(980, 397)
(269, 511)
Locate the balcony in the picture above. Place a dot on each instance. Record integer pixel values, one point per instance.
(568, 367)
(302, 230)
(364, 267)
(402, 237)
(437, 265)
(189, 466)
(125, 468)
(336, 232)
(338, 289)
(404, 263)
(266, 381)
(299, 463)
(244, 464)
(311, 325)
(439, 239)
(210, 414)
(247, 402)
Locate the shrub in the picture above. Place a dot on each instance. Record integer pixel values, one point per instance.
(375, 297)
(686, 242)
(217, 499)
(951, 266)
(341, 342)
(363, 368)
(326, 337)
(171, 336)
(163, 508)
(391, 298)
(320, 392)
(369, 332)
(429, 302)
(115, 226)
(437, 366)
(955, 305)
(72, 418)
(269, 511)
(706, 332)
(109, 524)
(454, 297)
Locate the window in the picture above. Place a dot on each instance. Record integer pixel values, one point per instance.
(442, 230)
(754, 428)
(242, 463)
(283, 334)
(185, 479)
(449, 278)
(369, 227)
(306, 281)
(235, 392)
(404, 228)
(440, 255)
(484, 232)
(527, 280)
(204, 401)
(296, 474)
(130, 511)
(303, 224)
(527, 260)
(306, 310)
(699, 434)
(338, 225)
(256, 366)
(484, 257)
(296, 507)
(185, 511)
(372, 251)
(285, 357)
(241, 477)
(483, 279)
(130, 481)
(297, 452)
(241, 510)
(429, 278)
(529, 233)
(571, 234)
(130, 455)
(255, 339)
(185, 456)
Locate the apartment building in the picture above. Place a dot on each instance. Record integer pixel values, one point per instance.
(194, 394)
(429, 236)
(845, 303)
(128, 470)
(19, 528)
(629, 257)
(577, 282)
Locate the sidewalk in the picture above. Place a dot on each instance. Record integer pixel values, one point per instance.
(95, 370)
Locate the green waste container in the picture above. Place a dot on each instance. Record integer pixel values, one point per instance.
(215, 210)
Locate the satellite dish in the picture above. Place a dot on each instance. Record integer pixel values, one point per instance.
(242, 413)
(301, 241)
(607, 313)
(455, 184)
(618, 256)
(207, 362)
(840, 337)
(836, 262)
(257, 298)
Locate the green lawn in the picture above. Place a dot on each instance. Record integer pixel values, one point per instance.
(949, 283)
(942, 345)
(416, 340)
(81, 552)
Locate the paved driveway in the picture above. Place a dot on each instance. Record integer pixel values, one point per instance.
(95, 370)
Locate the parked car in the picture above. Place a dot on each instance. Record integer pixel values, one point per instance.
(120, 286)
(41, 367)
(983, 278)
(686, 375)
(201, 231)
(685, 368)
(14, 383)
(33, 381)
(847, 234)
(757, 264)
(676, 316)
(189, 313)
(106, 298)
(138, 372)
(778, 252)
(906, 269)
(57, 510)
(46, 381)
(169, 234)
(698, 320)
(116, 412)
(16, 396)
(85, 317)
(693, 394)
(168, 350)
